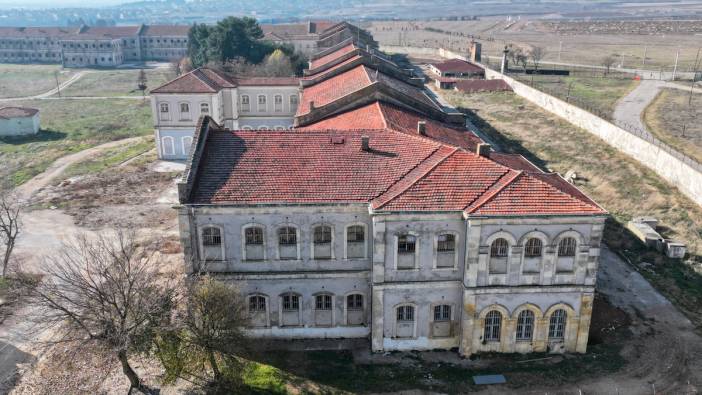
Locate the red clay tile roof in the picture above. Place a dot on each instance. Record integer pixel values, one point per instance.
(268, 81)
(206, 80)
(401, 172)
(332, 56)
(37, 31)
(322, 74)
(17, 112)
(379, 115)
(350, 81)
(165, 30)
(457, 66)
(470, 86)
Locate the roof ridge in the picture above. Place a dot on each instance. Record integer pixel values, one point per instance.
(207, 80)
(552, 174)
(489, 195)
(420, 176)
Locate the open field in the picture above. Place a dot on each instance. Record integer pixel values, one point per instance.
(30, 79)
(672, 119)
(117, 82)
(69, 126)
(621, 185)
(578, 44)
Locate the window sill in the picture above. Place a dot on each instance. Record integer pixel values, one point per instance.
(446, 268)
(407, 269)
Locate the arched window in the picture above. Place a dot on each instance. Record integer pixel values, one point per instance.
(290, 309)
(322, 242)
(356, 241)
(406, 251)
(293, 103)
(167, 146)
(164, 108)
(354, 310)
(204, 108)
(499, 250)
(184, 111)
(566, 247)
(257, 304)
(405, 313)
(446, 250)
(441, 325)
(287, 242)
(245, 103)
(262, 103)
(525, 325)
(493, 324)
(557, 324)
(291, 302)
(442, 312)
(532, 248)
(186, 142)
(212, 247)
(323, 310)
(253, 241)
(278, 101)
(323, 302)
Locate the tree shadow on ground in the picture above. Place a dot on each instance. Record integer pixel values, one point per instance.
(43, 136)
(10, 359)
(505, 144)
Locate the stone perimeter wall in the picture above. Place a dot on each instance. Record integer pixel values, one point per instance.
(686, 178)
(674, 170)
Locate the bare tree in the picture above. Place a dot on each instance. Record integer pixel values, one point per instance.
(608, 61)
(141, 82)
(522, 59)
(536, 54)
(105, 292)
(210, 334)
(10, 226)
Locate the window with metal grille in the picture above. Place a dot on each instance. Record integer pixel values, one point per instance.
(355, 234)
(566, 247)
(257, 304)
(184, 107)
(291, 302)
(532, 248)
(323, 302)
(245, 104)
(164, 107)
(556, 326)
(405, 313)
(278, 100)
(322, 234)
(354, 302)
(287, 235)
(406, 244)
(293, 103)
(442, 313)
(493, 323)
(204, 108)
(499, 248)
(446, 243)
(254, 235)
(525, 325)
(211, 237)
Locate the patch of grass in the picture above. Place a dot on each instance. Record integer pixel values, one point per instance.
(110, 158)
(30, 79)
(677, 121)
(621, 185)
(116, 82)
(70, 126)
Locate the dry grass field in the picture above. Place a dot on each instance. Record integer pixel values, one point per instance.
(621, 185)
(676, 120)
(30, 79)
(580, 43)
(117, 82)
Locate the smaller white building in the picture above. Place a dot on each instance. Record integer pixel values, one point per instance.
(18, 121)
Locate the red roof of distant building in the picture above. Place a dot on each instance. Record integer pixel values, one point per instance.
(457, 66)
(332, 56)
(471, 86)
(268, 81)
(166, 30)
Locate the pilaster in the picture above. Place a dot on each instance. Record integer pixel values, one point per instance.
(586, 302)
(377, 325)
(378, 250)
(467, 324)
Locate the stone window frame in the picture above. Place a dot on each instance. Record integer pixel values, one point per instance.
(503, 327)
(164, 145)
(363, 307)
(182, 144)
(184, 115)
(537, 316)
(267, 302)
(246, 103)
(259, 104)
(415, 311)
(452, 318)
(278, 107)
(365, 239)
(511, 242)
(204, 106)
(534, 234)
(569, 314)
(436, 251)
(396, 252)
(298, 240)
(579, 241)
(243, 241)
(200, 239)
(299, 308)
(294, 102)
(333, 239)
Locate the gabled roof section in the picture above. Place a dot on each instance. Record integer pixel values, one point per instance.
(457, 66)
(348, 48)
(17, 112)
(200, 80)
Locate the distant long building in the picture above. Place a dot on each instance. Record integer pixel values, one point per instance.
(93, 46)
(111, 46)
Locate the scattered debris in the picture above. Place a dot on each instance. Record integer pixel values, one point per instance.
(644, 228)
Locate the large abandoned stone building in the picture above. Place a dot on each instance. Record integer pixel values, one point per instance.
(380, 216)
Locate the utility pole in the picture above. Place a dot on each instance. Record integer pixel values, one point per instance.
(58, 87)
(675, 68)
(643, 61)
(560, 48)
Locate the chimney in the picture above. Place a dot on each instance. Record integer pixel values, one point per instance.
(483, 150)
(422, 128)
(311, 105)
(365, 143)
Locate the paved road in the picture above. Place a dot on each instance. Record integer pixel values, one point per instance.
(630, 109)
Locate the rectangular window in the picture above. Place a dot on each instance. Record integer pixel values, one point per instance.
(442, 313)
(293, 103)
(354, 302)
(446, 243)
(245, 104)
(278, 103)
(291, 302)
(164, 107)
(185, 111)
(261, 103)
(204, 108)
(406, 244)
(254, 235)
(323, 302)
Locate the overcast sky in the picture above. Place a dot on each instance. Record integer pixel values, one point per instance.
(57, 3)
